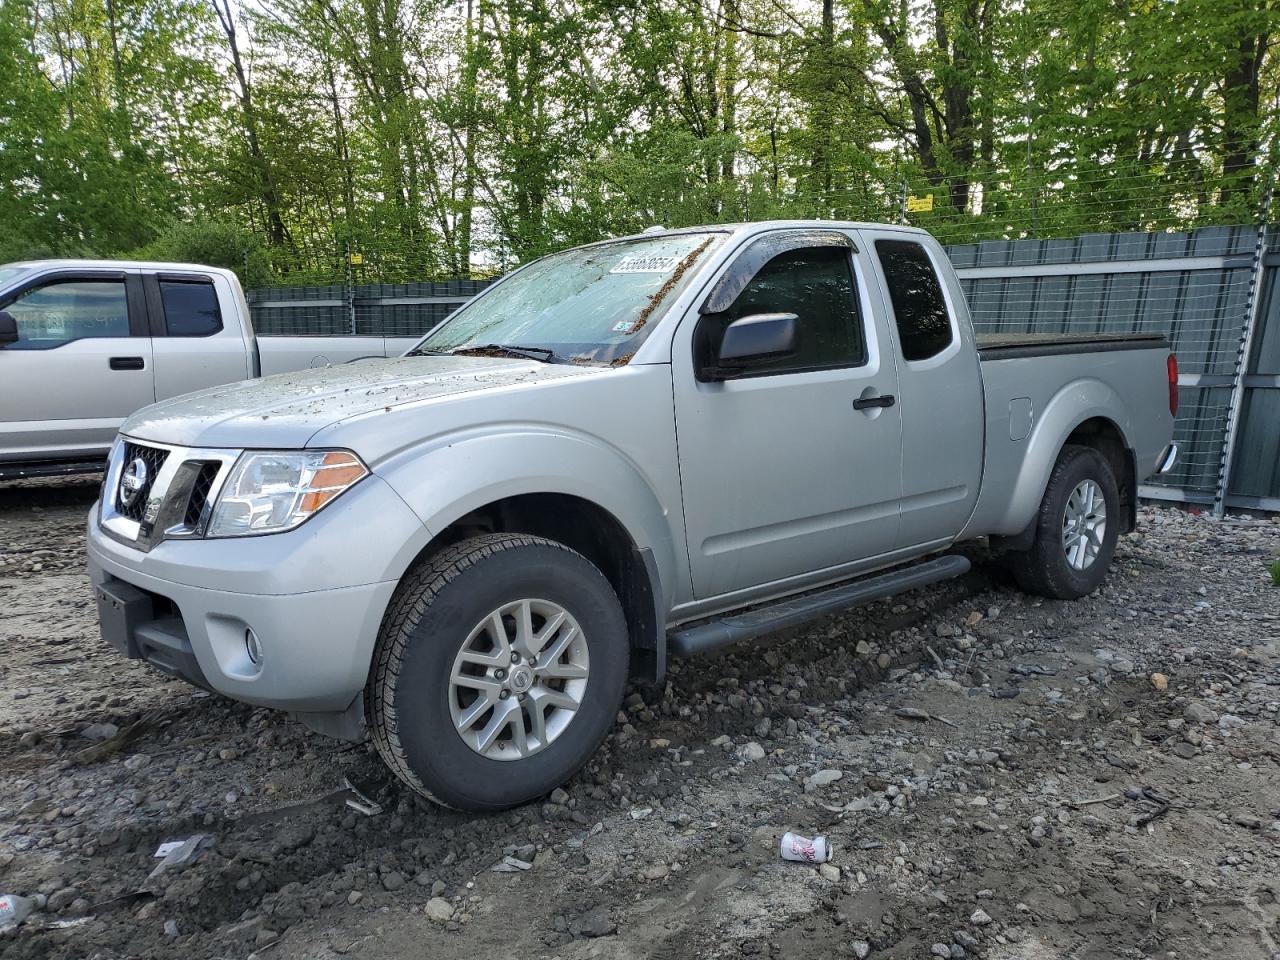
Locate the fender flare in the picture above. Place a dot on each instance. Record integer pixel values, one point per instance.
(460, 473)
(1076, 402)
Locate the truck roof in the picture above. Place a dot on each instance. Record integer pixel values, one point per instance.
(754, 226)
(97, 264)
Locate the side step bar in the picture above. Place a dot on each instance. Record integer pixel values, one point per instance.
(792, 611)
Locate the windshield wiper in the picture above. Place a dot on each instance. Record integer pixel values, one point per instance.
(425, 352)
(541, 354)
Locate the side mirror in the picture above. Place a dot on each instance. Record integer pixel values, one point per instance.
(8, 329)
(753, 340)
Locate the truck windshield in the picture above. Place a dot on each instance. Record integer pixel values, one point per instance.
(10, 272)
(590, 304)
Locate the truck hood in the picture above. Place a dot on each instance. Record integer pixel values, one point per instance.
(284, 411)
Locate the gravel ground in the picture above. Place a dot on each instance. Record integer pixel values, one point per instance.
(999, 776)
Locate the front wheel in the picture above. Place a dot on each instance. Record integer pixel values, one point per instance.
(498, 671)
(1076, 529)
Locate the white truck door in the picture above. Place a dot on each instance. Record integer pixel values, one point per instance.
(81, 365)
(943, 422)
(793, 466)
(197, 332)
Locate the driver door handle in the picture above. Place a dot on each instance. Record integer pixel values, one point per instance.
(865, 403)
(126, 363)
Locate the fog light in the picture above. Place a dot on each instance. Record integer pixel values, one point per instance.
(253, 647)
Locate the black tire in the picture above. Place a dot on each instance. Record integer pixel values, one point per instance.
(435, 607)
(1044, 569)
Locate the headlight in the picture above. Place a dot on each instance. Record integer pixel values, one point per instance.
(269, 492)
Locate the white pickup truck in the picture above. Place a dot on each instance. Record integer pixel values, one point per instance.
(85, 343)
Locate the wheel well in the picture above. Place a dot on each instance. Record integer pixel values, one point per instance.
(596, 534)
(1105, 437)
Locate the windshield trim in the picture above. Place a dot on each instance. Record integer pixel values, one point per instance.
(641, 334)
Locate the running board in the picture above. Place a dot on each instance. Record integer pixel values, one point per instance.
(793, 611)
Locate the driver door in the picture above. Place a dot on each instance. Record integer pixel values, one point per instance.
(80, 366)
(787, 469)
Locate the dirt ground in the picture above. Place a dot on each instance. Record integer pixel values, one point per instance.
(999, 777)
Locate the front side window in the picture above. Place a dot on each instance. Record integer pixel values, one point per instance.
(814, 283)
(190, 308)
(66, 310)
(919, 308)
(590, 304)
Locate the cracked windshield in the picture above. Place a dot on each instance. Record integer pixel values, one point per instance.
(592, 304)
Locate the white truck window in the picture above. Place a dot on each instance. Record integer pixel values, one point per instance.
(924, 326)
(190, 308)
(64, 310)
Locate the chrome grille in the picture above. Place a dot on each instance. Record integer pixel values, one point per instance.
(132, 503)
(200, 492)
(171, 491)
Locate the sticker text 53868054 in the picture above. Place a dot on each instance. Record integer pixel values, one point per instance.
(644, 265)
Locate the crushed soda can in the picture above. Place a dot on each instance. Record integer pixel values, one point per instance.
(14, 909)
(796, 847)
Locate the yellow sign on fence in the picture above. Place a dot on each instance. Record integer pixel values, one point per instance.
(920, 204)
(357, 259)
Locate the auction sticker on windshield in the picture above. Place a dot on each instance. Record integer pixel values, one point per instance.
(644, 265)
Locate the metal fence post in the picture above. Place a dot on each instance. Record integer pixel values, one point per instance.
(349, 285)
(1244, 351)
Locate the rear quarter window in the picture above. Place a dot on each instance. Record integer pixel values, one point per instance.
(919, 308)
(190, 308)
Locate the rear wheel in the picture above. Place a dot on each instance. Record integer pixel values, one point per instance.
(498, 671)
(1076, 528)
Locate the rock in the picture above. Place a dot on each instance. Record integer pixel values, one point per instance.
(1122, 667)
(762, 728)
(393, 881)
(1159, 681)
(829, 872)
(640, 813)
(593, 923)
(1184, 750)
(1199, 713)
(244, 930)
(438, 888)
(354, 897)
(438, 909)
(171, 928)
(100, 731)
(823, 778)
(941, 950)
(980, 918)
(1247, 820)
(560, 796)
(657, 871)
(860, 949)
(227, 753)
(423, 879)
(511, 865)
(750, 752)
(61, 899)
(29, 740)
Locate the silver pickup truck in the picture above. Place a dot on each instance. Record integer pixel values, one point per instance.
(638, 449)
(85, 343)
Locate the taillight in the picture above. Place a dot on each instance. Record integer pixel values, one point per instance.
(1173, 385)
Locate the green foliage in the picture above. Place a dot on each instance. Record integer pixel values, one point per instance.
(1274, 570)
(450, 139)
(215, 244)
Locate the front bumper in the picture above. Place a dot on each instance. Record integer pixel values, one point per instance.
(186, 605)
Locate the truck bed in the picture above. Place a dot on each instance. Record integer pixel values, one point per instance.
(1007, 346)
